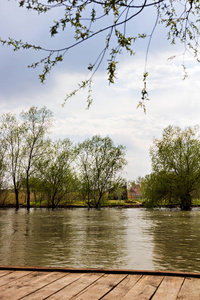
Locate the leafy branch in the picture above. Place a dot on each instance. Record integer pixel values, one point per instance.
(89, 19)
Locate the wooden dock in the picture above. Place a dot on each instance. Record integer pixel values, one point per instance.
(59, 283)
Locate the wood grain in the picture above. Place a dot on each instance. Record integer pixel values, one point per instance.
(78, 285)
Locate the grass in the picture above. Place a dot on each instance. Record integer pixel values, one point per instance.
(10, 202)
(196, 202)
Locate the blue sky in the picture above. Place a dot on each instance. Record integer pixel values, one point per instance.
(172, 100)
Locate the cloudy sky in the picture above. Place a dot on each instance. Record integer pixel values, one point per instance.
(172, 100)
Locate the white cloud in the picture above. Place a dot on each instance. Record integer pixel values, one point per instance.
(113, 112)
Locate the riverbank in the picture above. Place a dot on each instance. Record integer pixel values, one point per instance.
(129, 203)
(68, 206)
(107, 205)
(73, 202)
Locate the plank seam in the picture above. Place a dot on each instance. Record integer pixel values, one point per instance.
(181, 287)
(156, 289)
(64, 287)
(114, 287)
(87, 287)
(14, 279)
(42, 287)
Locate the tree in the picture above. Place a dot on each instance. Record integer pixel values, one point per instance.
(36, 185)
(177, 155)
(134, 187)
(111, 19)
(56, 171)
(37, 122)
(118, 191)
(100, 163)
(159, 188)
(3, 179)
(13, 137)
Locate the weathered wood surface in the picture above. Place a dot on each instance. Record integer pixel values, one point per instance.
(49, 283)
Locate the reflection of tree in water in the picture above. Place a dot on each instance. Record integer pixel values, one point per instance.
(69, 238)
(176, 239)
(103, 239)
(14, 228)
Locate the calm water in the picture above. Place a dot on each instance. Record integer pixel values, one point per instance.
(109, 238)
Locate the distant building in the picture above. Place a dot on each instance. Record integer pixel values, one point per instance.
(135, 193)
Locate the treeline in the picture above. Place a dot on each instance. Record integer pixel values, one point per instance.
(55, 170)
(175, 177)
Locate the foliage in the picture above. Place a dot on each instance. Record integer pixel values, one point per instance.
(135, 186)
(56, 171)
(100, 162)
(113, 20)
(13, 135)
(118, 191)
(160, 189)
(175, 162)
(37, 122)
(3, 169)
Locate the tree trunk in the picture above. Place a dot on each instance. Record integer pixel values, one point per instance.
(17, 198)
(53, 201)
(28, 193)
(98, 203)
(16, 192)
(186, 201)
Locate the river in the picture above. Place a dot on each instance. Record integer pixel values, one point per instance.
(132, 238)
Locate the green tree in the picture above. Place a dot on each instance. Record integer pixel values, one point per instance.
(36, 185)
(37, 122)
(100, 163)
(13, 136)
(119, 189)
(3, 171)
(160, 189)
(112, 20)
(177, 154)
(56, 169)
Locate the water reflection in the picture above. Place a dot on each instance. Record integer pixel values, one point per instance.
(65, 238)
(109, 238)
(176, 239)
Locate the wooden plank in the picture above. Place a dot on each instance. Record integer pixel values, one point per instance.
(190, 289)
(4, 272)
(12, 276)
(30, 287)
(34, 285)
(25, 285)
(54, 287)
(101, 287)
(76, 287)
(144, 288)
(169, 288)
(122, 288)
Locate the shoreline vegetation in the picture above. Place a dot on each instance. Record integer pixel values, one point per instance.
(36, 171)
(128, 203)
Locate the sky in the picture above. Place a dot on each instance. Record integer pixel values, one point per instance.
(173, 101)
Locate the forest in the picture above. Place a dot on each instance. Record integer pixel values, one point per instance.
(53, 171)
